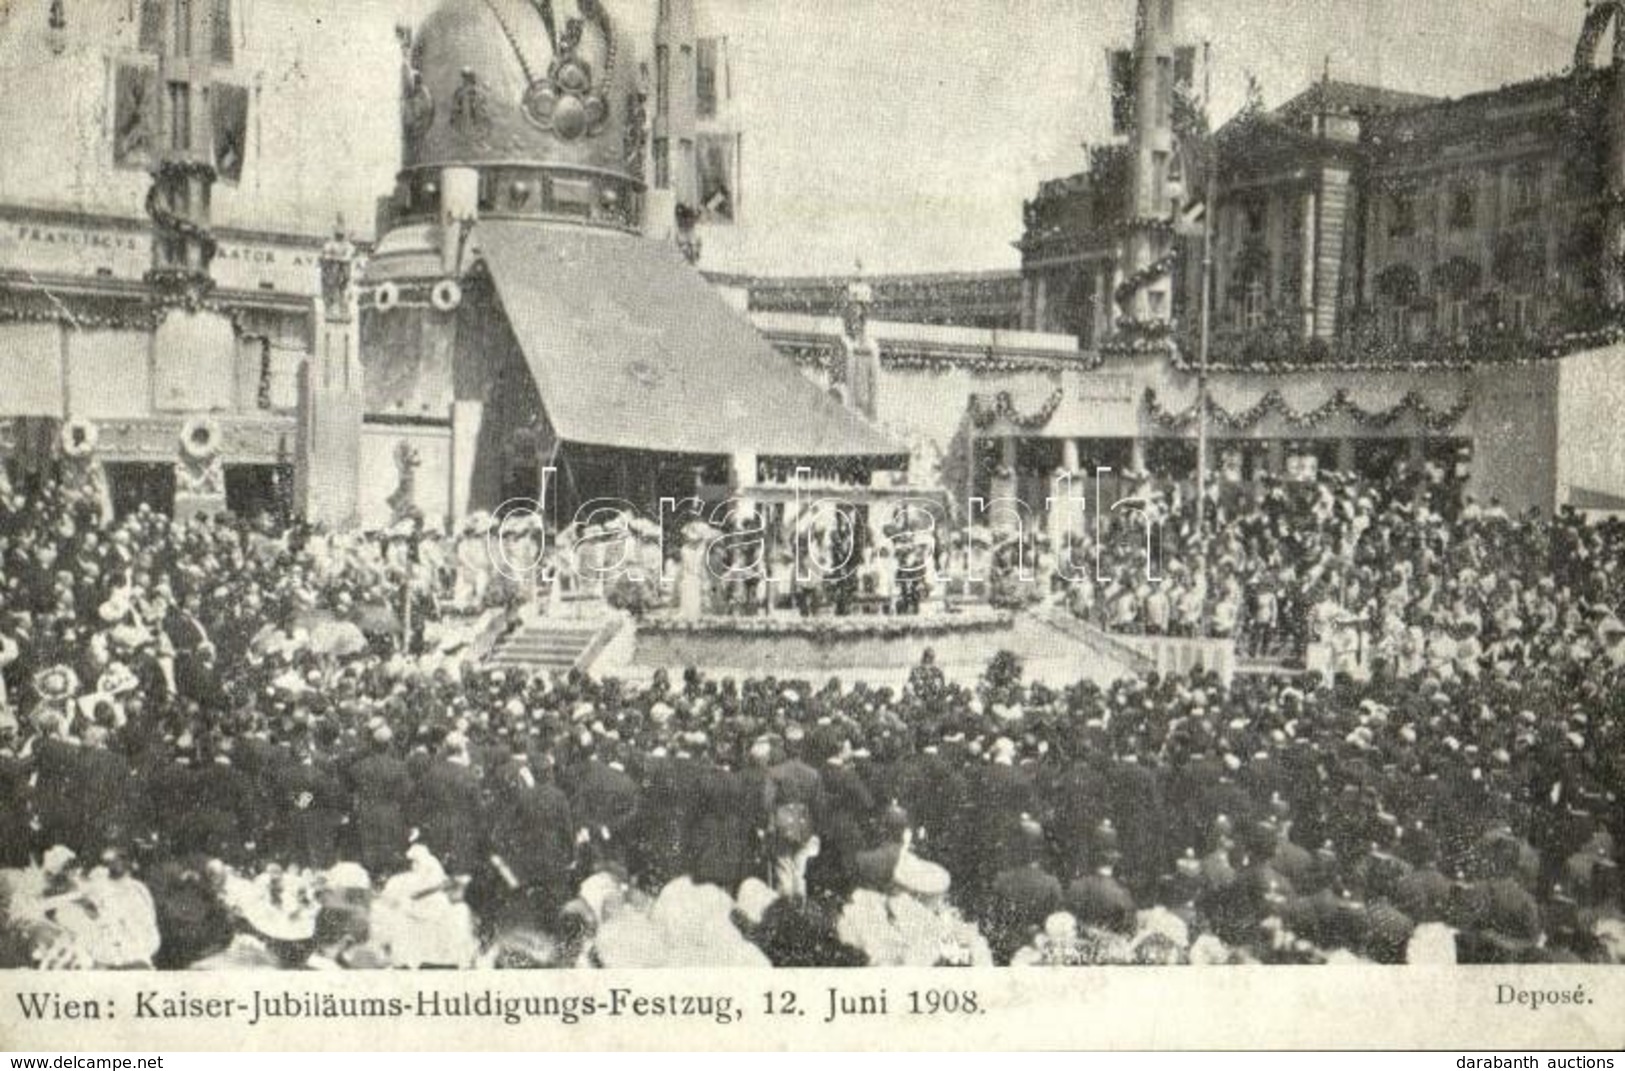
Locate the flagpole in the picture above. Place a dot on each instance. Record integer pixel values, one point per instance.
(1209, 212)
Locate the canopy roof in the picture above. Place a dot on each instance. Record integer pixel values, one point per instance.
(630, 347)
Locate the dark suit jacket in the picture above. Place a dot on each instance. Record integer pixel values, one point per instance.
(449, 813)
(380, 791)
(532, 830)
(309, 807)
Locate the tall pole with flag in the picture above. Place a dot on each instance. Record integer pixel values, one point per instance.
(1209, 211)
(1198, 155)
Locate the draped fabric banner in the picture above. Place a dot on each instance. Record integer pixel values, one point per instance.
(31, 368)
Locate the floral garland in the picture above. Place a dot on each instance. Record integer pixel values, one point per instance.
(808, 355)
(1340, 402)
(105, 313)
(1160, 226)
(1593, 329)
(1005, 407)
(827, 629)
(984, 362)
(1145, 276)
(1132, 345)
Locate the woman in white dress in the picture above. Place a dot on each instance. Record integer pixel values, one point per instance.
(691, 582)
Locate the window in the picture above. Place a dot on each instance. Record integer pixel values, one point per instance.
(152, 25)
(662, 152)
(710, 75)
(1521, 312)
(715, 160)
(1524, 195)
(1253, 305)
(1165, 89)
(1457, 318)
(1401, 215)
(183, 27)
(220, 49)
(663, 80)
(180, 116)
(135, 115)
(1418, 323)
(1394, 320)
(230, 119)
(1463, 209)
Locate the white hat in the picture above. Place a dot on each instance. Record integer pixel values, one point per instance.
(920, 877)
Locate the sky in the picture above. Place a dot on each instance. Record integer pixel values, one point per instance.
(907, 135)
(902, 135)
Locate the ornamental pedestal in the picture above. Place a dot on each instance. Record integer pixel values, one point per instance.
(200, 475)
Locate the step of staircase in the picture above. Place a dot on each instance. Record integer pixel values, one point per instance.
(543, 646)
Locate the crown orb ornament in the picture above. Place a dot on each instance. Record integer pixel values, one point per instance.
(565, 102)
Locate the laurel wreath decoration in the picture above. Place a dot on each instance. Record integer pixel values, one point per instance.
(446, 295)
(200, 438)
(79, 437)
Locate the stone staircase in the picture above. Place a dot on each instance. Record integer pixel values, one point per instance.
(542, 645)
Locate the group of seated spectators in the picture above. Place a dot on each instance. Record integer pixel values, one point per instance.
(207, 758)
(1408, 573)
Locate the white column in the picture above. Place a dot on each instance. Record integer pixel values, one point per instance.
(1307, 260)
(466, 418)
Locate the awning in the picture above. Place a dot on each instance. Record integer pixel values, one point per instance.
(630, 347)
(1587, 498)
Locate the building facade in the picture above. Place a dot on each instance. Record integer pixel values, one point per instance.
(1393, 276)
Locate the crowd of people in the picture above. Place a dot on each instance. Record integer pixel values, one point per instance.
(211, 756)
(1404, 575)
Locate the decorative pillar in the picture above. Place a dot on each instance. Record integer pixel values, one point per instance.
(1103, 301)
(327, 468)
(1345, 455)
(1600, 14)
(676, 102)
(861, 354)
(741, 471)
(1306, 259)
(1006, 487)
(467, 419)
(183, 245)
(1275, 456)
(1146, 296)
(1067, 495)
(1069, 455)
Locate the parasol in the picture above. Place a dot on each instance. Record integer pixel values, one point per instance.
(339, 638)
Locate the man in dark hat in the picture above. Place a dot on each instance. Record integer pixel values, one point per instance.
(669, 790)
(308, 805)
(1098, 899)
(380, 791)
(532, 842)
(1022, 896)
(448, 810)
(847, 807)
